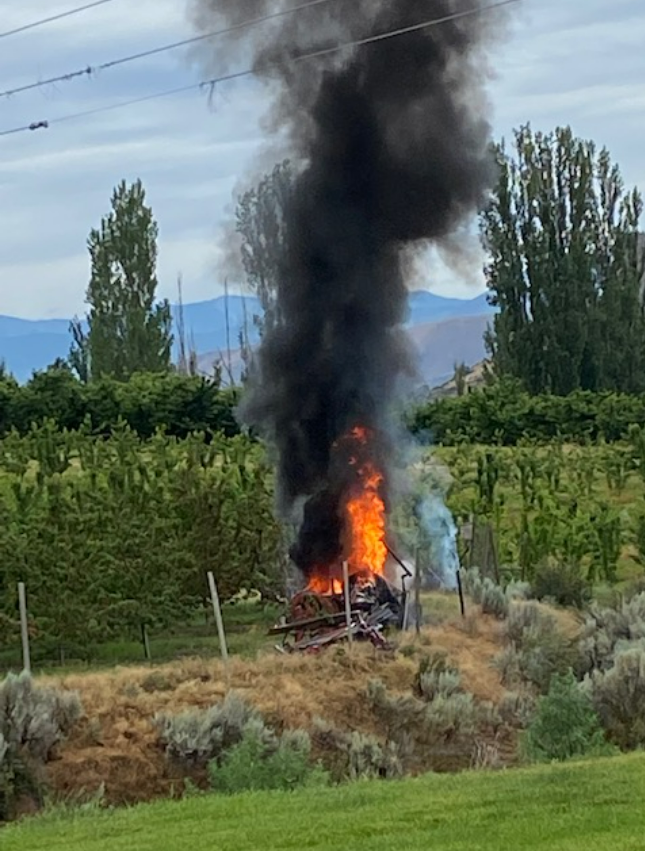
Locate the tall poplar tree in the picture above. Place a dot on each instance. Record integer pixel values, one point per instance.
(565, 267)
(127, 330)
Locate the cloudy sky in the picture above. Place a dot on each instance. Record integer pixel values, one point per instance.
(577, 62)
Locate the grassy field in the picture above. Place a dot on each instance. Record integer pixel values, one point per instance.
(561, 808)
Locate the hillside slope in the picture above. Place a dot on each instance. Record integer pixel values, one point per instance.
(214, 326)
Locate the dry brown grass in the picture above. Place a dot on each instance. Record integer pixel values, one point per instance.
(117, 743)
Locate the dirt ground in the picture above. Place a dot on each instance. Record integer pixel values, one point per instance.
(116, 746)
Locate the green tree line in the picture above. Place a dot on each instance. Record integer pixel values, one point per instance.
(506, 414)
(177, 403)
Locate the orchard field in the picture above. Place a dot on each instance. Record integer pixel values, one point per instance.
(113, 536)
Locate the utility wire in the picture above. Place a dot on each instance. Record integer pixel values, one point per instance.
(210, 84)
(144, 54)
(58, 17)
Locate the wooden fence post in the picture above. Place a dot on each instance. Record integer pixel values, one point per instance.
(24, 627)
(217, 609)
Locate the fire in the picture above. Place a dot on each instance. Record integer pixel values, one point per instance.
(325, 585)
(366, 550)
(366, 515)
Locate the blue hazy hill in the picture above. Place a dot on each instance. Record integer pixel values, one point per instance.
(29, 345)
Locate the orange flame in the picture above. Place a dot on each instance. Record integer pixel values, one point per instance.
(366, 524)
(325, 585)
(366, 514)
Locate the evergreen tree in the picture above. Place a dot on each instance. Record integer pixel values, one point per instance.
(127, 331)
(566, 268)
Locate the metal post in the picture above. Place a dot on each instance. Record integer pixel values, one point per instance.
(460, 588)
(24, 627)
(348, 602)
(217, 609)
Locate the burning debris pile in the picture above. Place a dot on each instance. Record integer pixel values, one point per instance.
(383, 113)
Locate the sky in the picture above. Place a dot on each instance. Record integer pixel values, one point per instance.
(577, 62)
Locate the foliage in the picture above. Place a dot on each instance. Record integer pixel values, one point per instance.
(565, 268)
(562, 584)
(33, 720)
(565, 724)
(262, 761)
(127, 332)
(177, 403)
(352, 755)
(618, 695)
(607, 630)
(261, 226)
(505, 414)
(537, 650)
(195, 737)
(114, 535)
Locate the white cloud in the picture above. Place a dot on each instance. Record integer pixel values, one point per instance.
(575, 63)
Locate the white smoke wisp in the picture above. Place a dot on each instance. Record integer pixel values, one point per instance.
(439, 529)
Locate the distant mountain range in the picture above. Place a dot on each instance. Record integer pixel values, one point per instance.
(444, 330)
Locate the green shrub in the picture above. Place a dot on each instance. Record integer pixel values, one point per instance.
(563, 584)
(197, 736)
(260, 761)
(565, 724)
(618, 696)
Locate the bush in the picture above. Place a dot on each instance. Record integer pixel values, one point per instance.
(563, 584)
(607, 628)
(565, 725)
(517, 709)
(493, 600)
(618, 696)
(436, 677)
(537, 649)
(263, 761)
(197, 736)
(356, 756)
(33, 720)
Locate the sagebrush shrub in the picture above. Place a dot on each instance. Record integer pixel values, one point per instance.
(493, 600)
(199, 735)
(564, 584)
(435, 676)
(565, 724)
(618, 696)
(517, 709)
(537, 648)
(260, 761)
(607, 629)
(356, 755)
(35, 718)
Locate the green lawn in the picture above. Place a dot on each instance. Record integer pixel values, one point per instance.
(589, 805)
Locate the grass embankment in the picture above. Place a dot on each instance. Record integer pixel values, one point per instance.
(561, 808)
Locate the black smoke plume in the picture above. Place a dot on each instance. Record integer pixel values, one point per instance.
(394, 150)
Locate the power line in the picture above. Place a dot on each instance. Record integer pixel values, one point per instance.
(144, 54)
(210, 84)
(58, 17)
